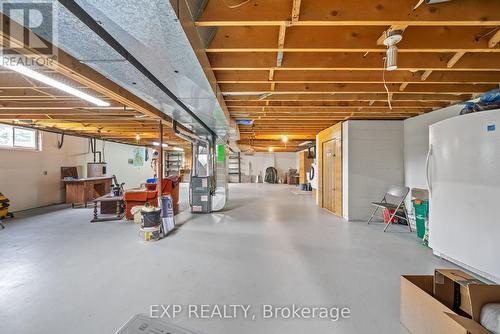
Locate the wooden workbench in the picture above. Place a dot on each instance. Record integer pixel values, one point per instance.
(82, 191)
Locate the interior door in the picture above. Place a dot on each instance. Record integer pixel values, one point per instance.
(329, 174)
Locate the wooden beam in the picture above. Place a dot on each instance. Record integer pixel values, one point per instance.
(296, 11)
(281, 45)
(355, 97)
(319, 104)
(494, 40)
(271, 74)
(403, 86)
(285, 76)
(351, 61)
(364, 12)
(456, 57)
(325, 88)
(425, 75)
(321, 39)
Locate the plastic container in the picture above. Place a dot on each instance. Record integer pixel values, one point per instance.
(136, 212)
(387, 215)
(421, 214)
(149, 233)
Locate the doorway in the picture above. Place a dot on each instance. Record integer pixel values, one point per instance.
(329, 174)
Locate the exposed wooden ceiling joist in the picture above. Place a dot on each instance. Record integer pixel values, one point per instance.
(360, 12)
(299, 61)
(443, 39)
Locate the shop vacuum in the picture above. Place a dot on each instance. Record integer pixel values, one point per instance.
(4, 209)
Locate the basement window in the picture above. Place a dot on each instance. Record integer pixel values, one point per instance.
(19, 138)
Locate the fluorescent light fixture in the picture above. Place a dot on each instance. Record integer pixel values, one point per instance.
(305, 143)
(4, 61)
(158, 144)
(179, 149)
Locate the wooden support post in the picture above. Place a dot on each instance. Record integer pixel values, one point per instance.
(159, 186)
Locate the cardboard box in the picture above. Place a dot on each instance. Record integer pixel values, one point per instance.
(423, 313)
(451, 289)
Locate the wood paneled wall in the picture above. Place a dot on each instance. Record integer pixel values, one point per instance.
(332, 133)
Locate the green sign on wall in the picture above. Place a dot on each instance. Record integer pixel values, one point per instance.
(221, 152)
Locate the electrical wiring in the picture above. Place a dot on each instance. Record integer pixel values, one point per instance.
(385, 84)
(420, 2)
(235, 4)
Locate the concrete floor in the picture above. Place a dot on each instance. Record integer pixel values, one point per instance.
(61, 274)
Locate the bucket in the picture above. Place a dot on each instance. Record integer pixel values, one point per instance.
(149, 233)
(150, 216)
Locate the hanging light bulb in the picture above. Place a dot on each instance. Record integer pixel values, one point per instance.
(392, 58)
(271, 149)
(137, 137)
(284, 139)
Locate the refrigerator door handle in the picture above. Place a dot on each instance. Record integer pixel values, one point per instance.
(427, 174)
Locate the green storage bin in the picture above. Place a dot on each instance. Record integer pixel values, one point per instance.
(421, 214)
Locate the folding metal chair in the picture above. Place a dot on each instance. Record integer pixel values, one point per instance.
(394, 200)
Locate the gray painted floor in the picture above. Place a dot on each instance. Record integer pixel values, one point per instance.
(61, 274)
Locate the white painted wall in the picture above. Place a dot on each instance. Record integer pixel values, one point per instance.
(416, 144)
(372, 162)
(259, 162)
(33, 179)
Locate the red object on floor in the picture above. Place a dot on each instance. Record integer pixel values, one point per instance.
(388, 213)
(139, 198)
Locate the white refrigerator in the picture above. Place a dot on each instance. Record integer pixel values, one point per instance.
(463, 176)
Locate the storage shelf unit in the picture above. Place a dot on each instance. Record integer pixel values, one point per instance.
(174, 163)
(234, 165)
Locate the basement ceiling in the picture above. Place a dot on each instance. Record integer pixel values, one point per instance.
(296, 67)
(25, 102)
(150, 31)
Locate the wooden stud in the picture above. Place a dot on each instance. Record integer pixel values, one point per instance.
(403, 86)
(296, 11)
(494, 40)
(456, 57)
(425, 75)
(281, 45)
